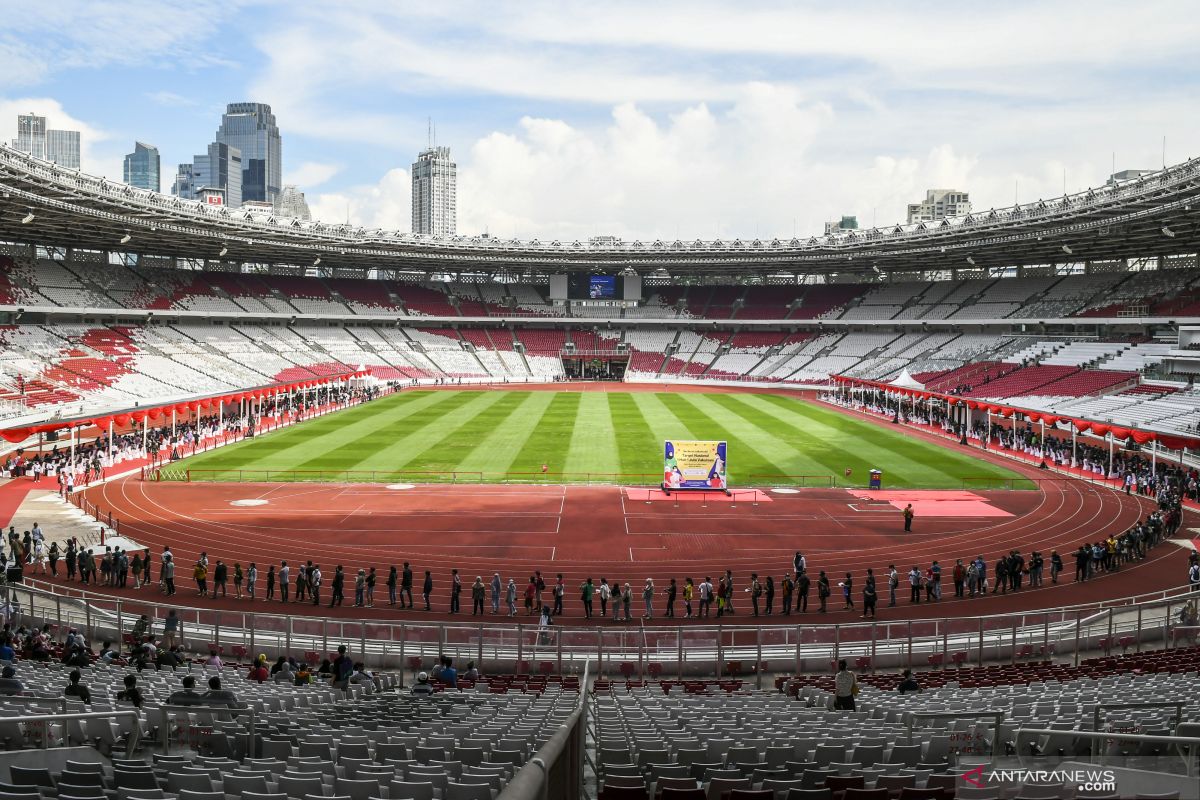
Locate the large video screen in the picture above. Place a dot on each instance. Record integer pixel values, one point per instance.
(602, 287)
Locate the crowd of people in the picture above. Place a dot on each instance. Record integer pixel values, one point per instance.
(69, 467)
(1137, 472)
(796, 590)
(146, 650)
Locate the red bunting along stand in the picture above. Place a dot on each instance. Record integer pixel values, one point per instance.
(110, 421)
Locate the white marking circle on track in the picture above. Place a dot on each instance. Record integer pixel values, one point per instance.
(786, 491)
(401, 486)
(249, 502)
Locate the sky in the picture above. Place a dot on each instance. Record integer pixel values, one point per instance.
(644, 120)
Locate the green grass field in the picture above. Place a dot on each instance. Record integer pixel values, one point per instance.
(425, 436)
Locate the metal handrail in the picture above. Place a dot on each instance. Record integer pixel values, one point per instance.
(1127, 602)
(1102, 707)
(216, 711)
(997, 721)
(131, 742)
(1176, 741)
(532, 781)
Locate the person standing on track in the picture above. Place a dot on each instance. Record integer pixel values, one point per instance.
(586, 590)
(908, 518)
(497, 587)
(559, 590)
(822, 591)
(511, 597)
(427, 589)
(802, 586)
(393, 579)
(893, 582)
(406, 584)
(455, 591)
(914, 582)
(301, 581)
(284, 575)
(477, 595)
(706, 590)
(314, 583)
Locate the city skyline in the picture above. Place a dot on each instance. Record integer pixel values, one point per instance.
(667, 120)
(34, 137)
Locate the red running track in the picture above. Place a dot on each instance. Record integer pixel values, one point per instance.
(597, 531)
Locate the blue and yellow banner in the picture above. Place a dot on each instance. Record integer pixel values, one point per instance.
(694, 465)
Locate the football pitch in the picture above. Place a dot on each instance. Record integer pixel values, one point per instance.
(425, 436)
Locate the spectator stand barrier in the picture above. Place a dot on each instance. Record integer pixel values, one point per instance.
(1101, 708)
(997, 718)
(556, 770)
(1186, 747)
(132, 742)
(722, 651)
(97, 513)
(194, 733)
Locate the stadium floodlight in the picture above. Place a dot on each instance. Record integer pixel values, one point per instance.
(125, 239)
(1068, 250)
(970, 261)
(224, 250)
(876, 268)
(1168, 232)
(318, 261)
(28, 218)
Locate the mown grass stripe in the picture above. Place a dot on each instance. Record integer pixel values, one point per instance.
(450, 454)
(804, 452)
(911, 460)
(428, 439)
(496, 452)
(592, 449)
(665, 423)
(638, 447)
(549, 442)
(744, 457)
(285, 449)
(385, 443)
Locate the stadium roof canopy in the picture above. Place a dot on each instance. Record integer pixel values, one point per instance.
(1153, 215)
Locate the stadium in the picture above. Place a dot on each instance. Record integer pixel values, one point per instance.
(968, 448)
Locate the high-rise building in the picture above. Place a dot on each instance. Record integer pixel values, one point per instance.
(220, 168)
(60, 147)
(251, 129)
(434, 187)
(31, 135)
(939, 204)
(292, 204)
(184, 186)
(846, 223)
(142, 167)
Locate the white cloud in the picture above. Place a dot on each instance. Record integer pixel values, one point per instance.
(386, 204)
(170, 99)
(41, 39)
(310, 174)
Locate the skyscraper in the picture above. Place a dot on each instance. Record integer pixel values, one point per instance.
(142, 167)
(251, 128)
(434, 188)
(220, 168)
(184, 186)
(292, 204)
(60, 147)
(939, 204)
